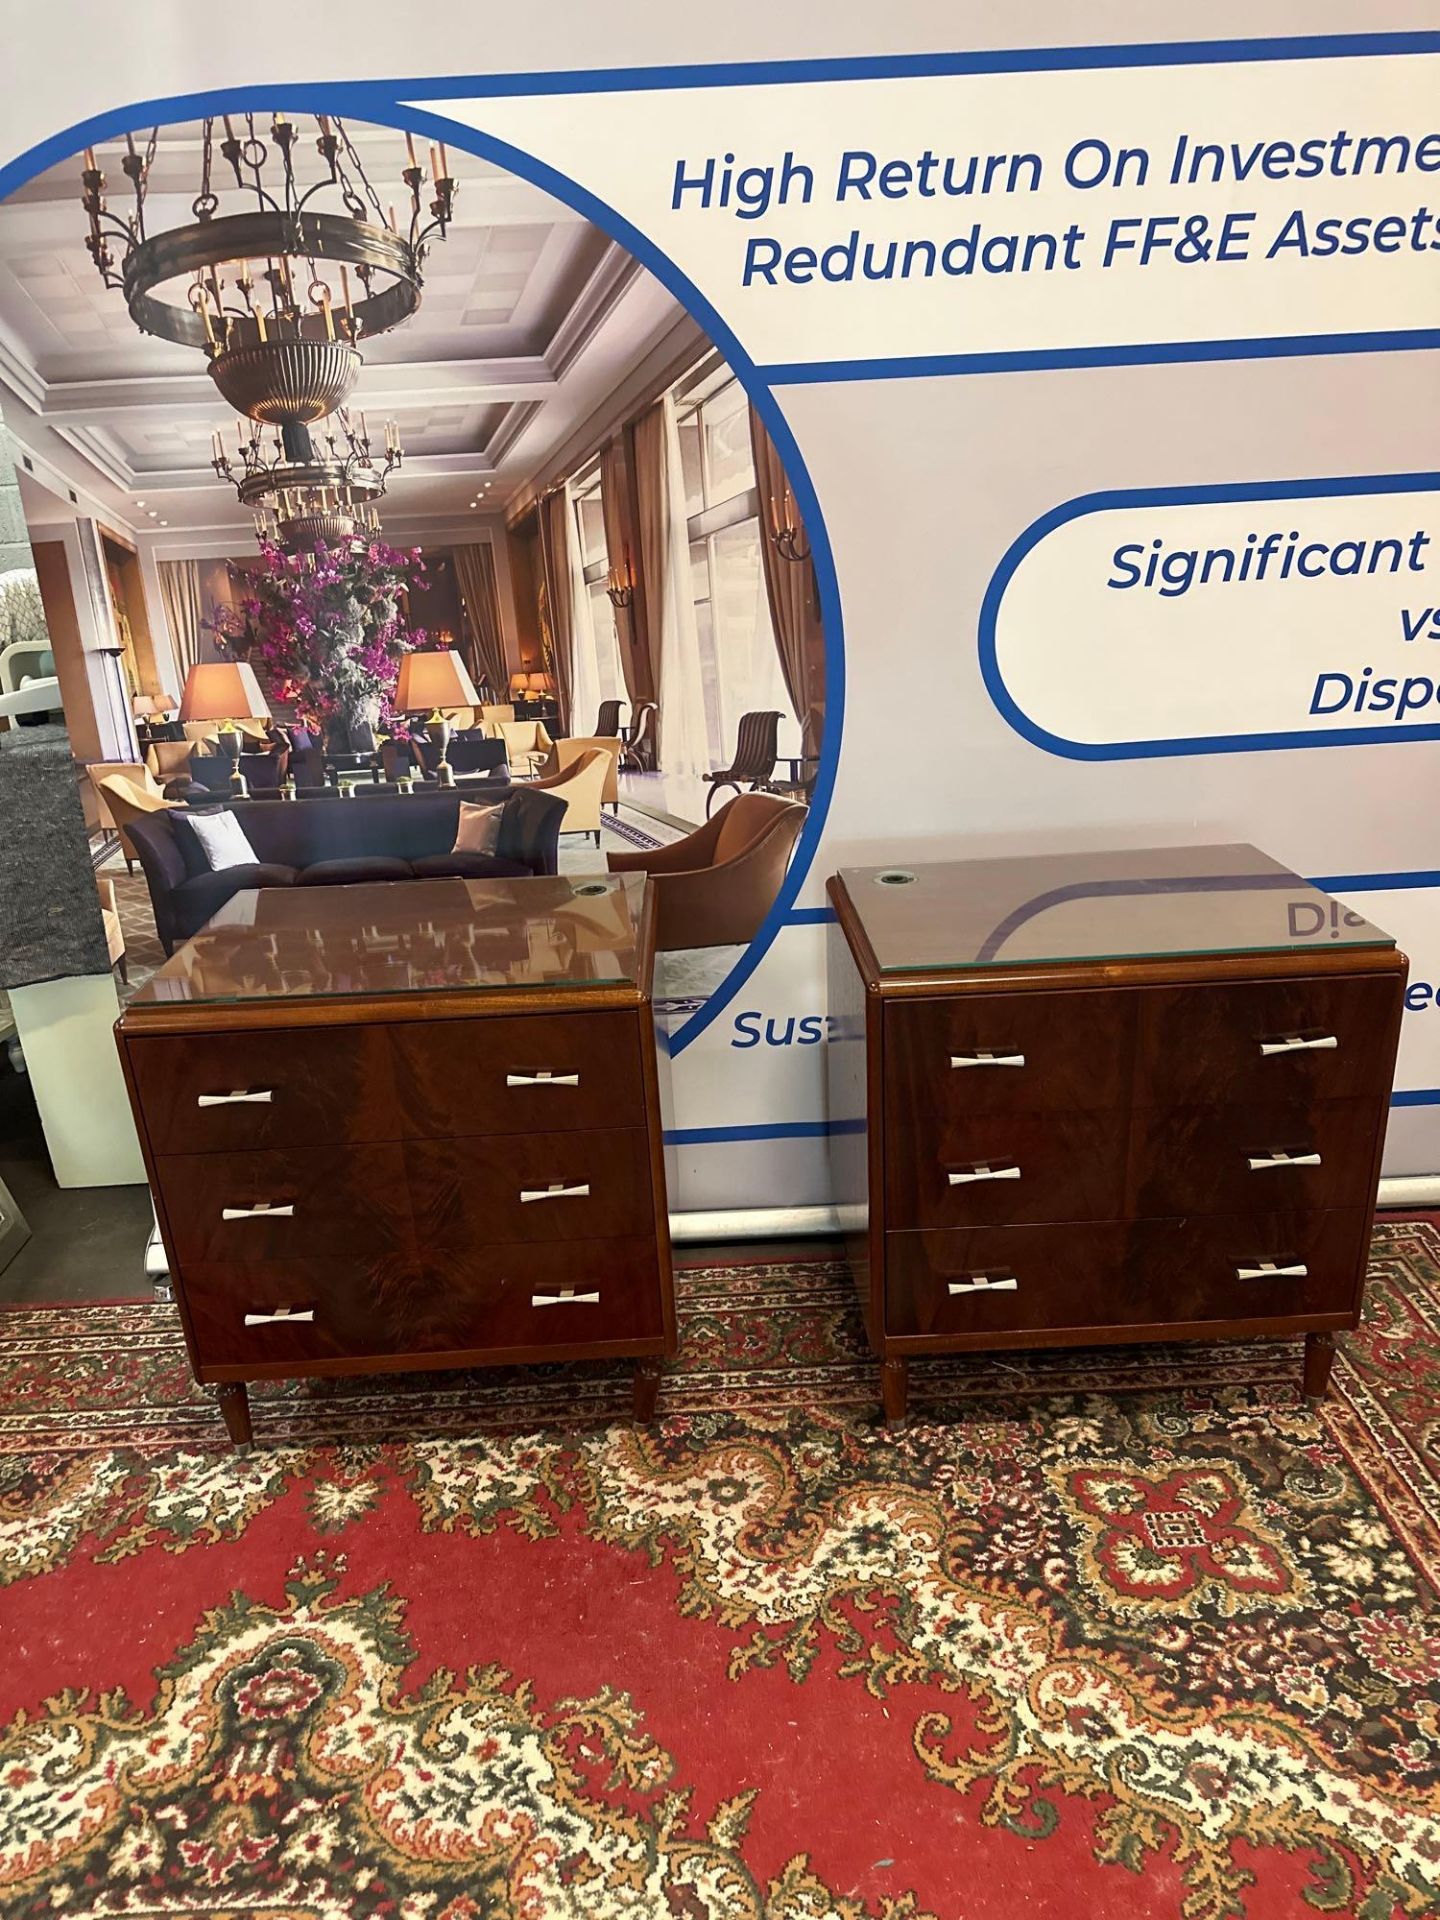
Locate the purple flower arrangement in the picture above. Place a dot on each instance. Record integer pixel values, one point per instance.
(327, 628)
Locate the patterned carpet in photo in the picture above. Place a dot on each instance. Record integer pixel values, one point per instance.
(1104, 1633)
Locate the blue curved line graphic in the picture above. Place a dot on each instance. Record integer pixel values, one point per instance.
(389, 104)
(1203, 495)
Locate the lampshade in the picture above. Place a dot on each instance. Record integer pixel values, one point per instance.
(540, 683)
(430, 680)
(519, 682)
(223, 690)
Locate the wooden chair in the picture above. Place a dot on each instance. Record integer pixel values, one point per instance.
(607, 721)
(640, 742)
(581, 786)
(756, 750)
(715, 887)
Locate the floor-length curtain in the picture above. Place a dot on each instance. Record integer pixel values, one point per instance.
(555, 545)
(480, 591)
(664, 568)
(680, 643)
(585, 642)
(647, 447)
(794, 602)
(617, 549)
(184, 608)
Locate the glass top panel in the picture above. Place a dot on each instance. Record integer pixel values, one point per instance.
(1049, 908)
(432, 936)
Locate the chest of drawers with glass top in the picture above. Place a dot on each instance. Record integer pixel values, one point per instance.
(1110, 1097)
(409, 1126)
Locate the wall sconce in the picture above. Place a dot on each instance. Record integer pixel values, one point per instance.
(787, 529)
(620, 582)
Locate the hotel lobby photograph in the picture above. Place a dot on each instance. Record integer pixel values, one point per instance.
(608, 1311)
(559, 550)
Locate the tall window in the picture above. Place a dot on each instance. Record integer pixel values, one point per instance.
(739, 665)
(598, 674)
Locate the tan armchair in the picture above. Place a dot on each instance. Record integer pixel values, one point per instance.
(581, 787)
(492, 718)
(169, 759)
(527, 744)
(565, 754)
(715, 887)
(100, 773)
(126, 799)
(114, 932)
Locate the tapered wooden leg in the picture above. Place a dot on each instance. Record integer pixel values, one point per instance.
(1319, 1358)
(234, 1404)
(894, 1389)
(645, 1390)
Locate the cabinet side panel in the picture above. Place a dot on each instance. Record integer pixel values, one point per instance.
(847, 1114)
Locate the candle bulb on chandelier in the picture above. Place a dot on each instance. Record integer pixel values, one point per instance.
(444, 162)
(410, 148)
(90, 166)
(329, 317)
(435, 164)
(349, 310)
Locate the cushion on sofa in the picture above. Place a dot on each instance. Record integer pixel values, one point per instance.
(354, 872)
(478, 828)
(222, 840)
(462, 865)
(187, 841)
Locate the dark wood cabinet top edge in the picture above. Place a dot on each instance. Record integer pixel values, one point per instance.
(1147, 970)
(231, 1016)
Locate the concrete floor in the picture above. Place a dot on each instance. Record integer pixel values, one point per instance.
(86, 1243)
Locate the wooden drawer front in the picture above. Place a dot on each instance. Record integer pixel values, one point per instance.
(544, 1073)
(498, 1300)
(995, 1168)
(1069, 1053)
(1149, 1274)
(1271, 1041)
(1231, 1159)
(529, 1186)
(303, 1086)
(340, 1200)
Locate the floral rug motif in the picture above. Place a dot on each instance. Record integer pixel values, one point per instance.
(1113, 1633)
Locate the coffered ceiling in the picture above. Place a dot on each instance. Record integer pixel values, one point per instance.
(530, 322)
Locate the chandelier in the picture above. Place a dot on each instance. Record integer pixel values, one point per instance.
(301, 492)
(250, 285)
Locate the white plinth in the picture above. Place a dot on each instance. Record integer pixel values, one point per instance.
(65, 1028)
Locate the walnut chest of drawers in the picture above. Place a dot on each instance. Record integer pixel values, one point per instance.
(1114, 1097)
(408, 1126)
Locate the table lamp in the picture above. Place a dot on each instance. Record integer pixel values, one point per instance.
(428, 682)
(225, 691)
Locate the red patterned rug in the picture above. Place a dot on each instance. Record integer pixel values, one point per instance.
(1103, 1634)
